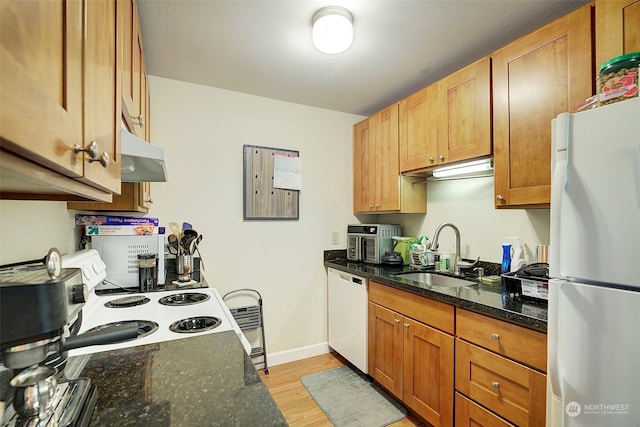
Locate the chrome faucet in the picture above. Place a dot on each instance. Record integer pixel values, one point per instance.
(436, 235)
(458, 261)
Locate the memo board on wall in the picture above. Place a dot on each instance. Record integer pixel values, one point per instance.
(262, 201)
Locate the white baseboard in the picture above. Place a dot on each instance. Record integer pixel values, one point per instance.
(300, 353)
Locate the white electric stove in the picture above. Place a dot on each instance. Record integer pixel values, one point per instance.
(161, 316)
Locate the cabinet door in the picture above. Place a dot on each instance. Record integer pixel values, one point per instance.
(363, 167)
(101, 94)
(419, 129)
(536, 78)
(464, 115)
(617, 29)
(41, 82)
(428, 372)
(385, 348)
(387, 170)
(133, 77)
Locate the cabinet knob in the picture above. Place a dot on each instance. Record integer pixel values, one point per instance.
(396, 321)
(406, 325)
(370, 207)
(495, 384)
(138, 120)
(495, 336)
(92, 151)
(441, 157)
(431, 159)
(499, 198)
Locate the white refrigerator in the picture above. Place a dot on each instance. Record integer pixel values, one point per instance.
(593, 376)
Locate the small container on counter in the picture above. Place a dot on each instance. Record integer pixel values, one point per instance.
(147, 272)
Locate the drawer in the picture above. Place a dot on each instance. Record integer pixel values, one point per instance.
(430, 312)
(515, 342)
(470, 414)
(509, 389)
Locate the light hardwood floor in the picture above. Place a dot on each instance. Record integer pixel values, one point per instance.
(296, 404)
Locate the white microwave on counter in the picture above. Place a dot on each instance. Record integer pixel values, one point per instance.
(120, 254)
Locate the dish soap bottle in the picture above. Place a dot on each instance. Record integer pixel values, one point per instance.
(506, 258)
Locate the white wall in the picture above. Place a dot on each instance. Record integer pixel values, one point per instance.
(28, 229)
(468, 203)
(203, 130)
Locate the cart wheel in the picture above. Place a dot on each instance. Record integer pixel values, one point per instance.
(266, 371)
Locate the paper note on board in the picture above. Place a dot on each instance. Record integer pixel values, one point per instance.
(287, 172)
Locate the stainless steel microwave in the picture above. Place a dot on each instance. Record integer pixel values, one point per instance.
(369, 242)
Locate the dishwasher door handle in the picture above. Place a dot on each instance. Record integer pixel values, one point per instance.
(352, 279)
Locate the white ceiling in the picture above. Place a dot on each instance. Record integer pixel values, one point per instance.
(263, 47)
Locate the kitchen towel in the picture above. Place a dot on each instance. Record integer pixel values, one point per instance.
(350, 399)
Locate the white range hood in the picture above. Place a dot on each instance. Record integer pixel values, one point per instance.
(141, 161)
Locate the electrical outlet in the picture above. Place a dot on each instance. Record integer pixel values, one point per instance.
(335, 237)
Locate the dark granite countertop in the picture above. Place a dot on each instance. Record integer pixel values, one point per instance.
(488, 299)
(207, 380)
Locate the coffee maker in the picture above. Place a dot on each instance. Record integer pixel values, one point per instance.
(40, 314)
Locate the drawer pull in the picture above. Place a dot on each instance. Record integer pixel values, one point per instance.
(495, 384)
(396, 321)
(495, 336)
(406, 325)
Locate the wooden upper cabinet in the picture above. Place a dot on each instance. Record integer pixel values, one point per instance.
(448, 121)
(101, 86)
(58, 87)
(536, 78)
(134, 79)
(419, 129)
(41, 82)
(464, 113)
(385, 126)
(363, 164)
(617, 29)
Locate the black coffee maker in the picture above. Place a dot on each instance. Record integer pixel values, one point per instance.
(40, 314)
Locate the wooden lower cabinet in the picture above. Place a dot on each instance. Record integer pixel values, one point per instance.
(410, 359)
(509, 389)
(470, 414)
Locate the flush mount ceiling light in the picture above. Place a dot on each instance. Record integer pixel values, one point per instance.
(332, 29)
(475, 168)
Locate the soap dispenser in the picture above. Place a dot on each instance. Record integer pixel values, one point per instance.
(506, 258)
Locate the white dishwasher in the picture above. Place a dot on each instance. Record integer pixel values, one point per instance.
(347, 314)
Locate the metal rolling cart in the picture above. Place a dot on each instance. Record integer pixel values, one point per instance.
(251, 318)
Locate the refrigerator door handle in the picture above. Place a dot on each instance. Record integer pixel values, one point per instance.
(560, 128)
(554, 389)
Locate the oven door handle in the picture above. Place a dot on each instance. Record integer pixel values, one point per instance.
(111, 335)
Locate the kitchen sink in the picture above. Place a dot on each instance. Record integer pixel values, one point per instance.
(432, 279)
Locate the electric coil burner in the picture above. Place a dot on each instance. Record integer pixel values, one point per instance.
(130, 301)
(195, 324)
(145, 327)
(188, 298)
(193, 312)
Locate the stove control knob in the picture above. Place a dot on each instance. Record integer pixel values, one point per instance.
(78, 294)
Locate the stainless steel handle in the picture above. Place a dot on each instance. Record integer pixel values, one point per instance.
(441, 157)
(92, 151)
(495, 384)
(499, 198)
(138, 120)
(495, 336)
